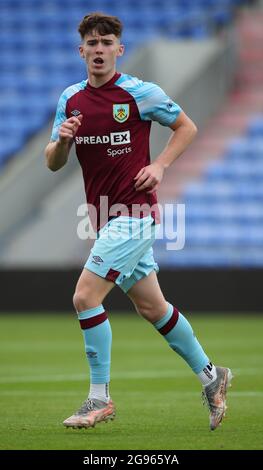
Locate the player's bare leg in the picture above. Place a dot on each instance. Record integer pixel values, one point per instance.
(149, 301)
(90, 292)
(148, 298)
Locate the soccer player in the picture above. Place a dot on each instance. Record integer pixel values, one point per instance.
(108, 117)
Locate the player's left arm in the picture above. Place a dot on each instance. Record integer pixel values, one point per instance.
(184, 131)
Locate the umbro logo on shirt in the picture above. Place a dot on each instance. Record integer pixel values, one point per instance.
(76, 112)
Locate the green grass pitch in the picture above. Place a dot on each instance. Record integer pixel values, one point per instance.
(44, 378)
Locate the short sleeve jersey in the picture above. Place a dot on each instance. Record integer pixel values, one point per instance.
(112, 143)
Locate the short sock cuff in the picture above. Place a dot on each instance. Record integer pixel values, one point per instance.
(160, 323)
(91, 312)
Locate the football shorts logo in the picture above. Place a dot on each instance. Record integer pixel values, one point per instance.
(97, 260)
(121, 112)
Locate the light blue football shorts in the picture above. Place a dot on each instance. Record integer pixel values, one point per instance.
(123, 252)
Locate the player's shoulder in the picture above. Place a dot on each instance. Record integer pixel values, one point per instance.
(137, 87)
(72, 90)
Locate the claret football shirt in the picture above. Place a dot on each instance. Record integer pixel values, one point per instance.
(112, 143)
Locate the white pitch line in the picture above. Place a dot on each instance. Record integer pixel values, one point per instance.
(132, 375)
(9, 393)
(44, 378)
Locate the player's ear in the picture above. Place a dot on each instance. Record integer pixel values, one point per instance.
(121, 49)
(81, 51)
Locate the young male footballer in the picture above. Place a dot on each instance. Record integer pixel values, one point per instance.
(108, 116)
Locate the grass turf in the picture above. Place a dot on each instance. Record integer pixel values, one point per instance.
(44, 378)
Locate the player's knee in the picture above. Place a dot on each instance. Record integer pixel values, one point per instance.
(78, 300)
(151, 312)
(85, 299)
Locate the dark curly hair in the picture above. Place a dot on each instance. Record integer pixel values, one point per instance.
(100, 22)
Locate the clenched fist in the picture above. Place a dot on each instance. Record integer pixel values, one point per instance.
(69, 128)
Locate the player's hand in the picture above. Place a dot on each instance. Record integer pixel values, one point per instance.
(69, 128)
(149, 178)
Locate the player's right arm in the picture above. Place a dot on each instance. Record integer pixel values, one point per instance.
(57, 152)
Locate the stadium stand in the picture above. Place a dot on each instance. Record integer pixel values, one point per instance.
(224, 211)
(222, 190)
(37, 39)
(224, 203)
(43, 33)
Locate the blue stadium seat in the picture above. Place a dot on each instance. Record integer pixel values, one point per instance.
(29, 27)
(255, 128)
(224, 210)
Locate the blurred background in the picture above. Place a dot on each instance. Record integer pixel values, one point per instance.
(208, 56)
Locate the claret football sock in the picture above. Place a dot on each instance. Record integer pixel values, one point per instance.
(97, 338)
(179, 334)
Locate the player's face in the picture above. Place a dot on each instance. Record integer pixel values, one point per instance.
(100, 53)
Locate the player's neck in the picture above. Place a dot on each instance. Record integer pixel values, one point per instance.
(98, 81)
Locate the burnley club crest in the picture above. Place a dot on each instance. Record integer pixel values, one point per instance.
(121, 112)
